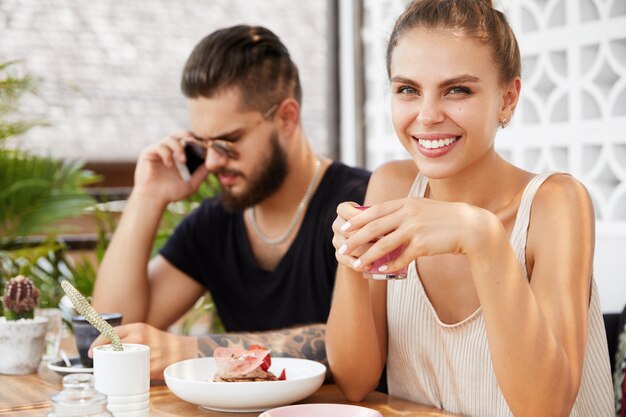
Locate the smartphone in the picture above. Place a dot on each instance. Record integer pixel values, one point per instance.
(194, 160)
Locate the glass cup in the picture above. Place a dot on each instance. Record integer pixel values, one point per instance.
(79, 398)
(85, 334)
(54, 332)
(374, 271)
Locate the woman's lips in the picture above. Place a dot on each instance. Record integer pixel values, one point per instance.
(435, 145)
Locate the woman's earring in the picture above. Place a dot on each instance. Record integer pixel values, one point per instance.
(504, 122)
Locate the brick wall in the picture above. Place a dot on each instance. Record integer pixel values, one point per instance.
(110, 70)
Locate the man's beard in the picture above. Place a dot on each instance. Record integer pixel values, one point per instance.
(266, 182)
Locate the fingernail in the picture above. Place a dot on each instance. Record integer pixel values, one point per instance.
(357, 263)
(342, 249)
(383, 268)
(345, 226)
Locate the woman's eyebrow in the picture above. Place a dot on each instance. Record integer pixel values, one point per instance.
(403, 80)
(461, 79)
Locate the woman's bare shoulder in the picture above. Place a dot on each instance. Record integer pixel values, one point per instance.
(391, 180)
(562, 192)
(562, 219)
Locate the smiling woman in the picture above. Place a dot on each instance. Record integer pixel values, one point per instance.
(487, 282)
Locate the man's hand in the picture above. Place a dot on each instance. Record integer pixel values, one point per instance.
(165, 348)
(156, 175)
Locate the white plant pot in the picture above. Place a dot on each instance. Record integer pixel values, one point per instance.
(22, 344)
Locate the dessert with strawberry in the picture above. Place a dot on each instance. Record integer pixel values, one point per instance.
(244, 365)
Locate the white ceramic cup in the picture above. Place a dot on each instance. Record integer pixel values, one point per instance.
(132, 413)
(115, 408)
(124, 377)
(113, 399)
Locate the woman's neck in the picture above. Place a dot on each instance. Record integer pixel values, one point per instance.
(490, 184)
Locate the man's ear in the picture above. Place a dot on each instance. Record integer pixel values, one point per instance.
(510, 98)
(288, 116)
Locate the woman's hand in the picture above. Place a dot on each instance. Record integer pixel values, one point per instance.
(165, 348)
(426, 227)
(346, 211)
(157, 175)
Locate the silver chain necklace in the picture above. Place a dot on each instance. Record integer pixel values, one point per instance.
(299, 211)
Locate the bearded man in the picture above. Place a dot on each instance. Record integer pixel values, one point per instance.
(262, 248)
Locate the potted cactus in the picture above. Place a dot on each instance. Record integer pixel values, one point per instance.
(22, 336)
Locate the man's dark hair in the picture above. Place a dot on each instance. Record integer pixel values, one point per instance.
(249, 58)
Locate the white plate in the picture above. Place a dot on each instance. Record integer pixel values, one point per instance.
(61, 368)
(192, 380)
(319, 410)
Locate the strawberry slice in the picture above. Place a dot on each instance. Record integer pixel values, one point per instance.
(267, 360)
(283, 376)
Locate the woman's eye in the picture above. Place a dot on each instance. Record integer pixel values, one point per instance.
(459, 90)
(405, 89)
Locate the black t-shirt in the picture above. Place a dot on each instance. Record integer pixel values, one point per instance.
(211, 246)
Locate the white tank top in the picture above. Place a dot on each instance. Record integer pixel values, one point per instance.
(449, 366)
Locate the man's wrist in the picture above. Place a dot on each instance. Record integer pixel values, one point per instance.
(145, 199)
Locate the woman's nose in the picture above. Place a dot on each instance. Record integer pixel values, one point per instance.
(430, 111)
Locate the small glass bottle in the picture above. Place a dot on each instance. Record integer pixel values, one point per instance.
(79, 398)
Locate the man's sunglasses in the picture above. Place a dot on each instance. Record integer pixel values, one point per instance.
(197, 148)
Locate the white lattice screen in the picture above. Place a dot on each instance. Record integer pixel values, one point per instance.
(572, 114)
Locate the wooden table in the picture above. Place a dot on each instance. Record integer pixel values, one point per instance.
(29, 396)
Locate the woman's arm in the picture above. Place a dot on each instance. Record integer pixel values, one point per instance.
(356, 334)
(537, 330)
(355, 341)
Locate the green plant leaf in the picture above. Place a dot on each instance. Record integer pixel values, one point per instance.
(37, 192)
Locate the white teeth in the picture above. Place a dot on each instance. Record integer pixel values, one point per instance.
(435, 144)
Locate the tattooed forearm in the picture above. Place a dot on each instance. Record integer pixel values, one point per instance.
(298, 342)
